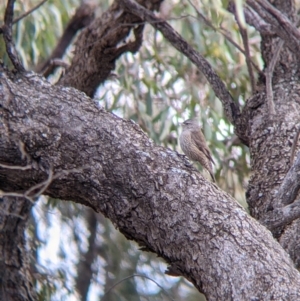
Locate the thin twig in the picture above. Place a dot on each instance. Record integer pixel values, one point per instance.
(12, 214)
(53, 63)
(7, 35)
(15, 167)
(137, 275)
(244, 35)
(41, 186)
(29, 12)
(294, 146)
(45, 184)
(223, 32)
(231, 108)
(16, 195)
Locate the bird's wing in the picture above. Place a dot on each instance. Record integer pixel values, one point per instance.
(200, 141)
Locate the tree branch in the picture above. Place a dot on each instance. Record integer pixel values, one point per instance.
(29, 12)
(290, 186)
(294, 146)
(244, 35)
(281, 217)
(269, 76)
(83, 16)
(253, 19)
(281, 18)
(98, 47)
(280, 23)
(223, 32)
(231, 108)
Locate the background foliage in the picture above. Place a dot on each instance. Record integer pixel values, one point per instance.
(158, 88)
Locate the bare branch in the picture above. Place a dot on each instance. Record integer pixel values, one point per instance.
(280, 24)
(142, 276)
(83, 16)
(290, 185)
(15, 167)
(13, 214)
(52, 64)
(40, 186)
(224, 32)
(280, 217)
(29, 12)
(244, 35)
(7, 35)
(281, 18)
(231, 108)
(16, 195)
(253, 19)
(269, 76)
(294, 147)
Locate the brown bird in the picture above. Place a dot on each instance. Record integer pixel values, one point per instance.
(193, 144)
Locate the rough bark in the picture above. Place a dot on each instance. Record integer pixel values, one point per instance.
(150, 193)
(101, 44)
(273, 141)
(15, 278)
(83, 16)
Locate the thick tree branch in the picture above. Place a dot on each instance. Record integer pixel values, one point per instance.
(280, 23)
(290, 185)
(148, 192)
(231, 108)
(253, 19)
(83, 16)
(281, 18)
(281, 217)
(100, 44)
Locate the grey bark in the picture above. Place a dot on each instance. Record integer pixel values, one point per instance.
(83, 16)
(15, 276)
(151, 194)
(98, 47)
(85, 265)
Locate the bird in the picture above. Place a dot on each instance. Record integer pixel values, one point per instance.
(193, 144)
